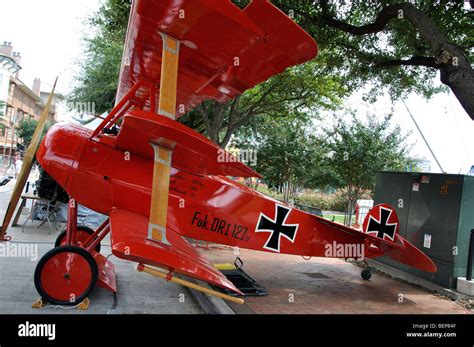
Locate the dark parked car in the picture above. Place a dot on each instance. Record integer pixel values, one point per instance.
(5, 179)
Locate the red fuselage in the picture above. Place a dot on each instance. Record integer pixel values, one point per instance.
(211, 208)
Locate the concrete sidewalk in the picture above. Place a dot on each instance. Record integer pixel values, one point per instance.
(137, 292)
(324, 285)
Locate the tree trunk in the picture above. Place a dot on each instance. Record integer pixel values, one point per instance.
(455, 68)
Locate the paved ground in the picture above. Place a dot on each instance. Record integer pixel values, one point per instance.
(138, 292)
(295, 285)
(323, 285)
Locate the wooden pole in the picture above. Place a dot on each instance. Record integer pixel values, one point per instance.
(27, 164)
(188, 284)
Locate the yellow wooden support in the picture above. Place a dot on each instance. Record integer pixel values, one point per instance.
(38, 304)
(28, 162)
(169, 77)
(225, 266)
(159, 192)
(84, 305)
(188, 284)
(163, 148)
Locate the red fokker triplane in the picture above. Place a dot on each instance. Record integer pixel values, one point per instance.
(159, 182)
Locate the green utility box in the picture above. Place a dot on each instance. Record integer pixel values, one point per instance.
(436, 214)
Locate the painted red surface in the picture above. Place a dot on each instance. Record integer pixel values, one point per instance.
(112, 174)
(224, 50)
(59, 286)
(210, 208)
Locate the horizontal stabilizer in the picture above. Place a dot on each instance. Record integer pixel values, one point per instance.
(379, 244)
(412, 256)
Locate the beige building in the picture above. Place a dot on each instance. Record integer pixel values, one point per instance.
(17, 102)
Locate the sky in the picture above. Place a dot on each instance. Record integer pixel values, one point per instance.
(446, 126)
(49, 33)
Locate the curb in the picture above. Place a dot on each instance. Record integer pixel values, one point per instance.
(210, 304)
(412, 279)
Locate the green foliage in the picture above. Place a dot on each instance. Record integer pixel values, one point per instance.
(100, 65)
(328, 202)
(263, 188)
(292, 156)
(303, 88)
(357, 150)
(26, 128)
(362, 59)
(288, 154)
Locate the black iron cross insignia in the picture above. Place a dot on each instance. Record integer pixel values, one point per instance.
(381, 227)
(277, 228)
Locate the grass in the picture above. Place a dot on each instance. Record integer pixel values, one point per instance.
(339, 218)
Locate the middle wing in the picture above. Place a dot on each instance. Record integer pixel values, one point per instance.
(193, 152)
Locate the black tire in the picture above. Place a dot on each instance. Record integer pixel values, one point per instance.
(62, 235)
(79, 297)
(366, 274)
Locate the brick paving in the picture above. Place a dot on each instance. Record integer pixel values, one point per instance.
(324, 285)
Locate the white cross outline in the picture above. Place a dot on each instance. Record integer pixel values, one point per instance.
(380, 223)
(292, 240)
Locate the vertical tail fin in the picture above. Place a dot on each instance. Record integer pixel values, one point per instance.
(382, 222)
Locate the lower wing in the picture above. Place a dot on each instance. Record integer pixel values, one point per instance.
(129, 236)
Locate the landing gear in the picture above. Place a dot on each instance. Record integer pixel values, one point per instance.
(83, 234)
(366, 274)
(66, 275)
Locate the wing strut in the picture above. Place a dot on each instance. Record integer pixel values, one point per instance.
(163, 148)
(169, 77)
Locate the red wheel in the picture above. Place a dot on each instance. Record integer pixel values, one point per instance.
(66, 275)
(83, 234)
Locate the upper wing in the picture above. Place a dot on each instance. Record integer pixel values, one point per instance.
(224, 50)
(129, 237)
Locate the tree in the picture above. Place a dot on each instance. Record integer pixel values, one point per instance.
(287, 152)
(100, 67)
(26, 129)
(301, 88)
(394, 44)
(356, 151)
